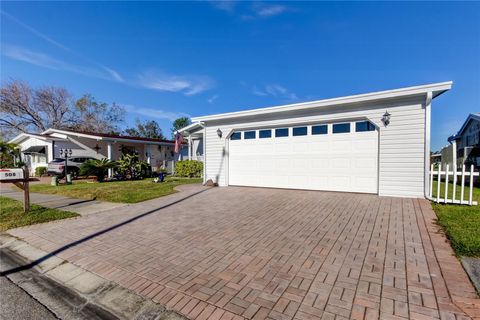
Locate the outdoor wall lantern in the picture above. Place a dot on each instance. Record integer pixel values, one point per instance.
(219, 133)
(386, 118)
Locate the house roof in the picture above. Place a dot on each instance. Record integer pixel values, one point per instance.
(191, 128)
(471, 116)
(435, 88)
(47, 135)
(106, 136)
(26, 135)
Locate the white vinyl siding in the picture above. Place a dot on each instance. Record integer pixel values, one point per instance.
(33, 161)
(401, 143)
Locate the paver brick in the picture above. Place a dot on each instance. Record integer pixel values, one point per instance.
(234, 253)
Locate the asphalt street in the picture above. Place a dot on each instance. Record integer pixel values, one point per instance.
(16, 304)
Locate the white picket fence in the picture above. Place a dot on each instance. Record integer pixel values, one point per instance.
(454, 175)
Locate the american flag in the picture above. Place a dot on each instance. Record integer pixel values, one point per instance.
(178, 142)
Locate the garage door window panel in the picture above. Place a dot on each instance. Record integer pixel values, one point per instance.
(341, 128)
(262, 134)
(249, 135)
(300, 131)
(363, 126)
(281, 132)
(236, 136)
(320, 129)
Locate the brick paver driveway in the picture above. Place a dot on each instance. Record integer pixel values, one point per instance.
(229, 253)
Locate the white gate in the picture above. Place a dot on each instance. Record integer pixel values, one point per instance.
(450, 197)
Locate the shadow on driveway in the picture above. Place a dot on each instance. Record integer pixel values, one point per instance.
(96, 234)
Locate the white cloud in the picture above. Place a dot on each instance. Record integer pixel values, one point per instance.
(255, 9)
(268, 10)
(46, 61)
(155, 113)
(112, 74)
(212, 99)
(188, 85)
(224, 5)
(275, 90)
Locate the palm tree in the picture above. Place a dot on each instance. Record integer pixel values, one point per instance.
(98, 168)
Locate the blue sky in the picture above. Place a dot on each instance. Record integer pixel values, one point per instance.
(165, 60)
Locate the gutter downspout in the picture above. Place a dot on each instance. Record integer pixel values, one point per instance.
(428, 119)
(204, 153)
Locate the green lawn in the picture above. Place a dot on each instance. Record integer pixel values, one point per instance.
(118, 191)
(12, 215)
(460, 222)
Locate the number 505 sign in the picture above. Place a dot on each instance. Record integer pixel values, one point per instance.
(11, 174)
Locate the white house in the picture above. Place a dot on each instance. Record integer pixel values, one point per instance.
(38, 149)
(371, 143)
(465, 143)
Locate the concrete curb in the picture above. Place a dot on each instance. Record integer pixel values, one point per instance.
(71, 292)
(472, 267)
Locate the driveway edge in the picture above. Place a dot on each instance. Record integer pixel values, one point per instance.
(70, 291)
(455, 288)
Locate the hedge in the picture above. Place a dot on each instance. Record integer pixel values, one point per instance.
(189, 168)
(39, 171)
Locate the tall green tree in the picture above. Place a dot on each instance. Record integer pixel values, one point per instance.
(147, 129)
(179, 124)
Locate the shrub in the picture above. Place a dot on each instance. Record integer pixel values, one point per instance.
(131, 167)
(98, 168)
(39, 171)
(189, 168)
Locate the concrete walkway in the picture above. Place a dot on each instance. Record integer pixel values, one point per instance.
(80, 206)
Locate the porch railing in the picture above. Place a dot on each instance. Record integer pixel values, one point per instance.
(444, 196)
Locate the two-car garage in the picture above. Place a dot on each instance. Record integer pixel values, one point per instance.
(328, 156)
(376, 142)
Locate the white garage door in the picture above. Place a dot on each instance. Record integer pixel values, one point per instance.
(335, 157)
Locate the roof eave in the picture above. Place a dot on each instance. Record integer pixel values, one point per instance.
(435, 88)
(470, 117)
(100, 138)
(23, 136)
(191, 128)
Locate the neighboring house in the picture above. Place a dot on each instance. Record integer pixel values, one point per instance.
(373, 143)
(447, 157)
(38, 149)
(436, 158)
(467, 141)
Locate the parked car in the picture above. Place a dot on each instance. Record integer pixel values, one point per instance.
(57, 166)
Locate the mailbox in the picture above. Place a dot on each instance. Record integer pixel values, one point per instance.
(11, 174)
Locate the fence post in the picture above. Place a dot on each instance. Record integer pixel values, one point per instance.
(446, 183)
(454, 182)
(462, 191)
(431, 181)
(439, 177)
(470, 201)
